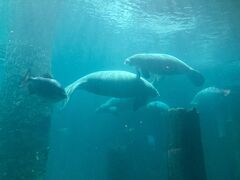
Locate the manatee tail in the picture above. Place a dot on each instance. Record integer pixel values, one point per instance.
(196, 77)
(69, 91)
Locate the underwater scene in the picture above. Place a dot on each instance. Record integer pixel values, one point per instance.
(119, 90)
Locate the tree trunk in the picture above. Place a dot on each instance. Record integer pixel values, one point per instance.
(25, 119)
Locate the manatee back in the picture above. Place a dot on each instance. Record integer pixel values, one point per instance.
(207, 96)
(120, 84)
(160, 63)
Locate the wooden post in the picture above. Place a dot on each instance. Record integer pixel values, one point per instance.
(233, 130)
(237, 147)
(185, 152)
(232, 139)
(25, 119)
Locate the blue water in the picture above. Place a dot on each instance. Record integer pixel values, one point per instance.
(93, 35)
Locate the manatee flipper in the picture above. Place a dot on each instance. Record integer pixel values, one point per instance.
(155, 79)
(138, 74)
(145, 73)
(196, 77)
(139, 102)
(71, 88)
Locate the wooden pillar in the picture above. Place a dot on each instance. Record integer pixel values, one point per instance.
(237, 147)
(233, 130)
(25, 119)
(232, 139)
(185, 152)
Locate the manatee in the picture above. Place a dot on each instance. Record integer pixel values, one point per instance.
(210, 95)
(163, 64)
(119, 84)
(157, 106)
(212, 103)
(44, 86)
(116, 105)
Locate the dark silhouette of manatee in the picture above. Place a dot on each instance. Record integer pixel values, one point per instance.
(44, 86)
(163, 64)
(116, 105)
(119, 84)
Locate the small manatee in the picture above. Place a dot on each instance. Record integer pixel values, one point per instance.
(163, 64)
(210, 95)
(44, 86)
(116, 105)
(157, 105)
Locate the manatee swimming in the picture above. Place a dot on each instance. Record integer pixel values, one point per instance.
(119, 84)
(157, 106)
(163, 64)
(44, 86)
(116, 106)
(210, 95)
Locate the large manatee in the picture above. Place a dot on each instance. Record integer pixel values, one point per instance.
(163, 64)
(119, 84)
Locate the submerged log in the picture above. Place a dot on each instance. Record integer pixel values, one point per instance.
(24, 119)
(185, 152)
